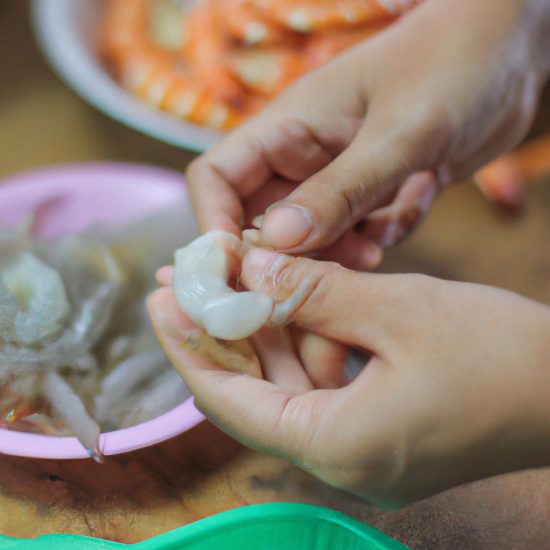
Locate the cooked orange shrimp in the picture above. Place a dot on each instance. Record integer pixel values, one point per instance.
(504, 180)
(267, 71)
(154, 74)
(205, 48)
(202, 68)
(243, 21)
(316, 15)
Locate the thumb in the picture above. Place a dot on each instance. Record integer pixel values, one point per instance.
(324, 297)
(319, 211)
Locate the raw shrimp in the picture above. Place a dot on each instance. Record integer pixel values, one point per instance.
(67, 406)
(76, 346)
(317, 15)
(164, 392)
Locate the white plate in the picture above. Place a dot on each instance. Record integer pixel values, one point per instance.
(65, 30)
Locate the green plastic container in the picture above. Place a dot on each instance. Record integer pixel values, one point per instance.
(257, 527)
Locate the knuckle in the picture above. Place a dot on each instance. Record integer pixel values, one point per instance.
(357, 195)
(322, 282)
(293, 130)
(194, 170)
(417, 138)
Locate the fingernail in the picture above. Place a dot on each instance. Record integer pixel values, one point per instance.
(257, 221)
(425, 200)
(390, 235)
(372, 256)
(287, 226)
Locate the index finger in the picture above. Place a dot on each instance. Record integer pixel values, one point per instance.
(283, 141)
(219, 179)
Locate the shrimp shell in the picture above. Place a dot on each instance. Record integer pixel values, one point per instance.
(319, 15)
(243, 21)
(155, 74)
(67, 406)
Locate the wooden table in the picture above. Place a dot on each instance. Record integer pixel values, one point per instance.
(135, 496)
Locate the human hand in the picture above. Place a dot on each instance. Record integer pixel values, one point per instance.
(456, 388)
(434, 97)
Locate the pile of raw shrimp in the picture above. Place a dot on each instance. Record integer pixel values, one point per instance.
(77, 353)
(216, 62)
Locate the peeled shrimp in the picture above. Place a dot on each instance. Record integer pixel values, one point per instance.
(203, 270)
(125, 378)
(202, 279)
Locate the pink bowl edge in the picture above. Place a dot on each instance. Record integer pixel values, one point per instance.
(164, 427)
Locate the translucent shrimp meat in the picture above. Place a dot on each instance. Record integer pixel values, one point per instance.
(203, 270)
(202, 283)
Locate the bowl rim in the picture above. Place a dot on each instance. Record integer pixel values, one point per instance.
(311, 520)
(166, 426)
(57, 36)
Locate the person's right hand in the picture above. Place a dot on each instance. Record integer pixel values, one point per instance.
(456, 390)
(428, 101)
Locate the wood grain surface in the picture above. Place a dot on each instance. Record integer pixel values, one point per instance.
(134, 496)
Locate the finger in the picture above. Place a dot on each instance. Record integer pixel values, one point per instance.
(350, 307)
(256, 412)
(164, 275)
(365, 176)
(323, 360)
(354, 251)
(280, 363)
(387, 226)
(272, 191)
(501, 182)
(274, 143)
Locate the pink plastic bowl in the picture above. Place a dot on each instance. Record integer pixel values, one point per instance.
(81, 195)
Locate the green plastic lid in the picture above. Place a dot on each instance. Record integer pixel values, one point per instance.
(257, 527)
